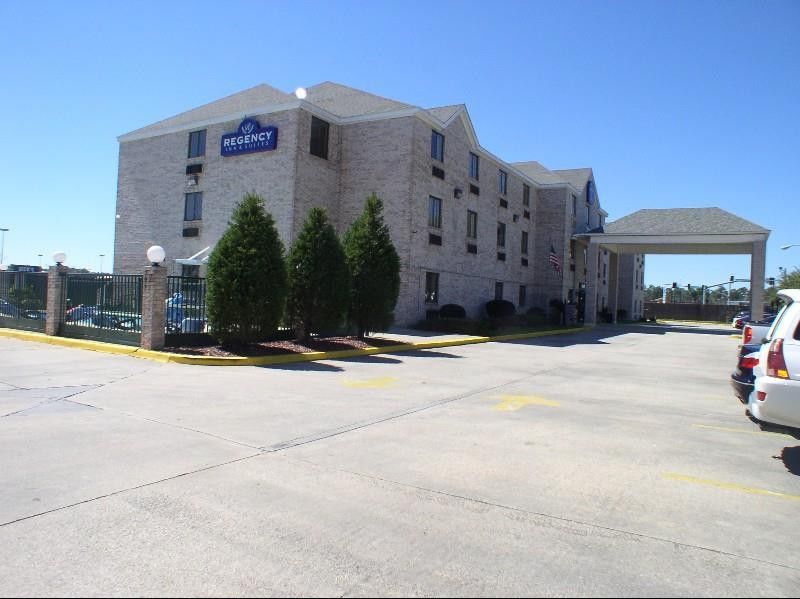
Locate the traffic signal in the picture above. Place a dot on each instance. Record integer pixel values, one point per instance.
(771, 281)
(689, 287)
(731, 278)
(674, 285)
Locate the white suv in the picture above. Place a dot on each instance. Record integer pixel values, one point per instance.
(776, 397)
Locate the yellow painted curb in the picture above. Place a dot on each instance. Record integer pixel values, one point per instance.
(168, 357)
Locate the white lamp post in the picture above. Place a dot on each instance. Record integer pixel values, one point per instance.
(156, 254)
(101, 262)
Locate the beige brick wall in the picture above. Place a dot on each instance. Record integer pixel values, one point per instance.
(152, 182)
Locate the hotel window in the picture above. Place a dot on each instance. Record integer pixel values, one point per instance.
(437, 146)
(472, 224)
(434, 212)
(502, 180)
(193, 206)
(523, 293)
(526, 195)
(574, 205)
(474, 166)
(431, 287)
(524, 244)
(319, 137)
(501, 235)
(197, 143)
(498, 291)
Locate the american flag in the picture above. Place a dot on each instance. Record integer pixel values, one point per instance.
(554, 260)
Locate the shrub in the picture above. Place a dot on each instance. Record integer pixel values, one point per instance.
(452, 311)
(318, 278)
(535, 317)
(246, 276)
(374, 270)
(499, 309)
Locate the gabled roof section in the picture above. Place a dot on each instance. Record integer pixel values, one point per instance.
(682, 221)
(577, 177)
(445, 113)
(346, 101)
(240, 102)
(539, 173)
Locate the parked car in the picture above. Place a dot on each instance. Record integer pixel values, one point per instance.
(743, 378)
(8, 309)
(776, 397)
(756, 332)
(739, 319)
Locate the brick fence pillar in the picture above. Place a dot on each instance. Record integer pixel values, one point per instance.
(154, 307)
(56, 291)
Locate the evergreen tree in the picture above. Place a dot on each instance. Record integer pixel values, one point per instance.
(247, 276)
(374, 270)
(318, 278)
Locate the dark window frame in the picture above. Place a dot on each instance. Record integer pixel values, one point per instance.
(502, 181)
(501, 234)
(526, 194)
(474, 166)
(434, 215)
(437, 151)
(197, 144)
(472, 224)
(523, 296)
(431, 287)
(498, 290)
(524, 243)
(319, 138)
(196, 211)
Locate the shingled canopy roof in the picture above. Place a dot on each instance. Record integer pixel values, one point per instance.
(682, 221)
(678, 231)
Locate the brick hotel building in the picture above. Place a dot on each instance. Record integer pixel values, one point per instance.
(468, 226)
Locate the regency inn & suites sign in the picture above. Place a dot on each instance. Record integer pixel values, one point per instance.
(249, 138)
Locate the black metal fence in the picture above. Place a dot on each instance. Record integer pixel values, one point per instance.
(186, 321)
(23, 300)
(103, 307)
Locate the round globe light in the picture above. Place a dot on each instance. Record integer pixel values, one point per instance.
(156, 254)
(301, 93)
(59, 257)
(3, 266)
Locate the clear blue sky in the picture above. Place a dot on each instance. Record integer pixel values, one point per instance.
(673, 104)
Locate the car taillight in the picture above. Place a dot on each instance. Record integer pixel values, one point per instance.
(776, 365)
(747, 335)
(748, 363)
(761, 395)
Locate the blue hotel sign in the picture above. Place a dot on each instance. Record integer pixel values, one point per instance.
(249, 138)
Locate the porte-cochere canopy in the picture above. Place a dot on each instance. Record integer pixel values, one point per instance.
(677, 231)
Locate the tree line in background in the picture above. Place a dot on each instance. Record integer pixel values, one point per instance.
(254, 287)
(719, 295)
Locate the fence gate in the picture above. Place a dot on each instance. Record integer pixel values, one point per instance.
(23, 300)
(103, 307)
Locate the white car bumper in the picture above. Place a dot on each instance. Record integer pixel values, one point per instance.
(782, 403)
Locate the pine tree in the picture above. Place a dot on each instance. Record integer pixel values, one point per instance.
(374, 270)
(246, 276)
(318, 278)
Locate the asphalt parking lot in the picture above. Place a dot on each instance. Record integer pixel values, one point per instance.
(611, 462)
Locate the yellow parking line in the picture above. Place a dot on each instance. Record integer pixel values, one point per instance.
(511, 403)
(374, 383)
(729, 486)
(737, 430)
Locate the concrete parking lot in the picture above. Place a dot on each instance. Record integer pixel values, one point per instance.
(612, 462)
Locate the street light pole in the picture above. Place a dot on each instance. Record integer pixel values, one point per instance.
(101, 262)
(791, 245)
(2, 244)
(40, 259)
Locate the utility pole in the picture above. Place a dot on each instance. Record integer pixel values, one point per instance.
(2, 244)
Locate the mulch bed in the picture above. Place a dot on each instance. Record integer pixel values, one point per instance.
(277, 348)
